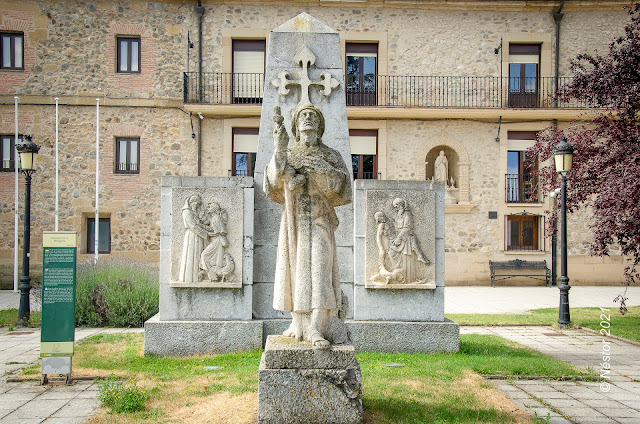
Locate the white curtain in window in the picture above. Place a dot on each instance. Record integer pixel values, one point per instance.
(245, 143)
(363, 145)
(248, 69)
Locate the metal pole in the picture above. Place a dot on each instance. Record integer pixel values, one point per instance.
(554, 247)
(16, 218)
(563, 311)
(57, 201)
(96, 226)
(24, 311)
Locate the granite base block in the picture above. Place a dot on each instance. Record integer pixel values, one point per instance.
(392, 336)
(311, 387)
(398, 305)
(183, 338)
(409, 337)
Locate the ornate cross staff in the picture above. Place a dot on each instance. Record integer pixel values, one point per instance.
(305, 59)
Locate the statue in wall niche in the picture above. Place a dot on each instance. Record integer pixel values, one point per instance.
(309, 179)
(441, 168)
(195, 237)
(398, 250)
(215, 263)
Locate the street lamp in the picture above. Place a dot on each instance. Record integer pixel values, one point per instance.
(28, 151)
(563, 154)
(554, 240)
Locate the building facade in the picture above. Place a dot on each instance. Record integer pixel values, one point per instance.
(179, 87)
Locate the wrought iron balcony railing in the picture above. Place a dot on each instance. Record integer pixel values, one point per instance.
(521, 188)
(392, 91)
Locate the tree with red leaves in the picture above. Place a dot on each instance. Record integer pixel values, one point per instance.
(606, 164)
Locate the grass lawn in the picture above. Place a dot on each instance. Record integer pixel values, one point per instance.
(627, 326)
(223, 388)
(9, 317)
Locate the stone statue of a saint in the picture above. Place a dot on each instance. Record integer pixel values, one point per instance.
(441, 168)
(400, 247)
(195, 237)
(215, 263)
(309, 179)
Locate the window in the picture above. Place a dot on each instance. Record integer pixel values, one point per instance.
(7, 147)
(520, 184)
(127, 156)
(524, 64)
(362, 68)
(245, 146)
(364, 146)
(248, 70)
(128, 55)
(12, 50)
(104, 235)
(522, 232)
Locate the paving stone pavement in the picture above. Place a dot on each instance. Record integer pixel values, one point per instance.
(614, 400)
(28, 402)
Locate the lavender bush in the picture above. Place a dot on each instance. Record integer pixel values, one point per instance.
(118, 293)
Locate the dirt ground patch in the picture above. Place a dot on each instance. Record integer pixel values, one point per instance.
(491, 397)
(219, 408)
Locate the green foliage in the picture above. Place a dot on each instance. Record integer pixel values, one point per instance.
(9, 317)
(238, 371)
(115, 293)
(121, 397)
(539, 420)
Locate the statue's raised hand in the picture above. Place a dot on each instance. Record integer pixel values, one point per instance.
(280, 136)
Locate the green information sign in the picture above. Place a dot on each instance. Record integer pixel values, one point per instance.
(57, 332)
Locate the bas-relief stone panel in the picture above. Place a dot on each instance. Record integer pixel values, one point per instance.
(231, 204)
(414, 249)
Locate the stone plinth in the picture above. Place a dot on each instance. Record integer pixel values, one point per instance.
(298, 384)
(184, 338)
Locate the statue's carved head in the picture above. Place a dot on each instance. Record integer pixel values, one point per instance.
(307, 116)
(399, 204)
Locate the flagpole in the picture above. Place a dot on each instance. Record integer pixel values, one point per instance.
(15, 166)
(96, 223)
(57, 164)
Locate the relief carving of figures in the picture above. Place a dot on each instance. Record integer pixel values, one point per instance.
(195, 237)
(441, 168)
(398, 249)
(204, 249)
(309, 179)
(215, 263)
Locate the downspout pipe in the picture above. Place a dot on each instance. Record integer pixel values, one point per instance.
(200, 12)
(557, 17)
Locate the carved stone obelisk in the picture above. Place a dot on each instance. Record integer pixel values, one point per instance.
(309, 374)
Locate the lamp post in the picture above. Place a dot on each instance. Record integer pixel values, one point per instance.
(28, 151)
(554, 240)
(563, 154)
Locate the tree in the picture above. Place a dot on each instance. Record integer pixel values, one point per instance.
(606, 166)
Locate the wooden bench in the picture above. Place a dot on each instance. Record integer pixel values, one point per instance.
(507, 269)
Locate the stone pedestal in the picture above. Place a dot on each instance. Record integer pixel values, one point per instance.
(298, 384)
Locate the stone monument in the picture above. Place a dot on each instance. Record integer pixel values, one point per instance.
(309, 373)
(301, 256)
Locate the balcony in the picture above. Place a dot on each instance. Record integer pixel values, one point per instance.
(521, 188)
(215, 88)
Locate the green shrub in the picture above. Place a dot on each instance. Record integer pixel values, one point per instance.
(121, 397)
(115, 293)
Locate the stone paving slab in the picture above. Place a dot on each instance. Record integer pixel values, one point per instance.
(614, 400)
(27, 402)
(503, 300)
